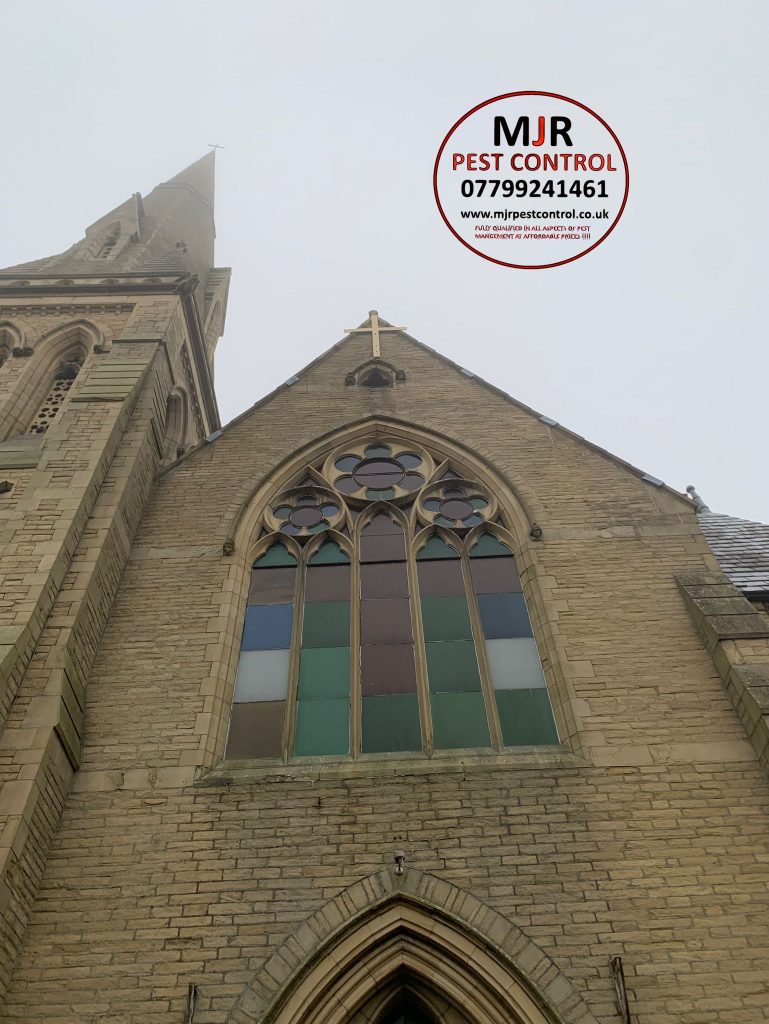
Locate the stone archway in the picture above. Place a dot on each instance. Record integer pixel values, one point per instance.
(415, 936)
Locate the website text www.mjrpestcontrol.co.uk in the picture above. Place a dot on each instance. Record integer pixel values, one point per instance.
(516, 223)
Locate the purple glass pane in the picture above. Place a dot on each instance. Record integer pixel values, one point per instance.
(346, 485)
(378, 548)
(387, 668)
(456, 508)
(306, 516)
(379, 473)
(441, 578)
(381, 525)
(412, 482)
(453, 492)
(385, 622)
(384, 579)
(256, 730)
(495, 575)
(328, 583)
(272, 586)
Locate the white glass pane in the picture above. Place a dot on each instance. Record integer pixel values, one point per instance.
(262, 675)
(514, 664)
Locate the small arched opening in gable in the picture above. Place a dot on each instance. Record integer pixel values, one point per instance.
(375, 374)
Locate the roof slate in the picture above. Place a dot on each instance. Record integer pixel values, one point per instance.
(741, 547)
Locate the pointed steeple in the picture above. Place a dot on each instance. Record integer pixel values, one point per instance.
(171, 231)
(199, 176)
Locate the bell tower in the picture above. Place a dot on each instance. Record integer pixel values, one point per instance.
(106, 377)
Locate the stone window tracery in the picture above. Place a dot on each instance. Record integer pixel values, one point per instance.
(63, 380)
(386, 615)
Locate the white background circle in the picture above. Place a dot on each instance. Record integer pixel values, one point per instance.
(502, 210)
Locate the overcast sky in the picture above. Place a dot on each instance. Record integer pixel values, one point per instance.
(331, 113)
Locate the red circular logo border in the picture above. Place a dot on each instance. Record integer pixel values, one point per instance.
(506, 96)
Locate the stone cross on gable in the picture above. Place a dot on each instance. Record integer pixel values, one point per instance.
(375, 328)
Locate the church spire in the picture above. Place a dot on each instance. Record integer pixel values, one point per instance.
(169, 232)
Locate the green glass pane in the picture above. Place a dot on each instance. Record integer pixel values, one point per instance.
(324, 672)
(282, 512)
(459, 720)
(443, 521)
(446, 618)
(276, 555)
(329, 554)
(326, 624)
(526, 718)
(478, 502)
(320, 528)
(374, 495)
(375, 450)
(452, 666)
(437, 548)
(391, 723)
(489, 547)
(322, 727)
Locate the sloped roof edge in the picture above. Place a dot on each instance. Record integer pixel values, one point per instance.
(546, 420)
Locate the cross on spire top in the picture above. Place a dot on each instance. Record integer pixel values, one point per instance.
(375, 327)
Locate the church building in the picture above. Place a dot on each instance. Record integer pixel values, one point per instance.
(392, 701)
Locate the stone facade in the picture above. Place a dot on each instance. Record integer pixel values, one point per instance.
(135, 862)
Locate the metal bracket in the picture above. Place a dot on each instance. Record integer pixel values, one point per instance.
(620, 990)
(192, 994)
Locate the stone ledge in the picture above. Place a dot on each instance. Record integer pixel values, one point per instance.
(721, 613)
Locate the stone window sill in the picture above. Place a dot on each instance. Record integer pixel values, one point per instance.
(388, 765)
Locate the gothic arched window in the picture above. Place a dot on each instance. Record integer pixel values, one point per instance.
(385, 614)
(63, 379)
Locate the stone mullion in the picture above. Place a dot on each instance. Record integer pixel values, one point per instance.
(495, 728)
(420, 657)
(289, 721)
(356, 702)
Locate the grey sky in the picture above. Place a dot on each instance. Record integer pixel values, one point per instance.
(331, 114)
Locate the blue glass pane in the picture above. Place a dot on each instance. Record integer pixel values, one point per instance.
(503, 615)
(267, 627)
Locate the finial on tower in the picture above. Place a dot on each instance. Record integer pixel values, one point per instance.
(699, 504)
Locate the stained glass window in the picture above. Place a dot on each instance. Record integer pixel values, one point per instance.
(385, 615)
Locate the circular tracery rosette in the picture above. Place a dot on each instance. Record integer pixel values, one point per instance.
(304, 511)
(456, 504)
(380, 471)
